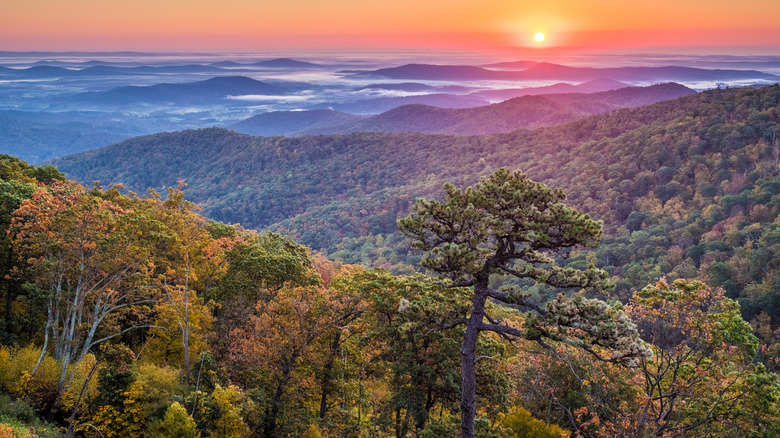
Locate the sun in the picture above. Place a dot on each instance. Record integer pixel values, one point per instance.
(538, 37)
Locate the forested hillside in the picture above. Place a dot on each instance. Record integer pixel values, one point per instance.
(134, 316)
(686, 188)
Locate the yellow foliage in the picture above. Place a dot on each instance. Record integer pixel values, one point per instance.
(5, 357)
(81, 372)
(154, 386)
(166, 344)
(16, 376)
(313, 432)
(524, 425)
(176, 423)
(230, 424)
(113, 423)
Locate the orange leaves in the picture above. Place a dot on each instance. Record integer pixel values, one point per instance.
(282, 328)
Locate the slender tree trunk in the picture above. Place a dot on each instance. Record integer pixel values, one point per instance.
(186, 331)
(276, 403)
(360, 404)
(405, 424)
(69, 433)
(429, 400)
(276, 406)
(397, 422)
(66, 359)
(326, 375)
(468, 362)
(49, 322)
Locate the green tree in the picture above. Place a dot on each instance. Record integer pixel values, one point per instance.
(176, 423)
(412, 354)
(702, 376)
(509, 225)
(18, 181)
(84, 255)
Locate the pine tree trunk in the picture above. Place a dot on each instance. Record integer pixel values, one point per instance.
(468, 364)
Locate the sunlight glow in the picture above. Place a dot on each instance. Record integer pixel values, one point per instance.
(538, 37)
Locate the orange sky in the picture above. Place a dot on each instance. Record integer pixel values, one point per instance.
(353, 24)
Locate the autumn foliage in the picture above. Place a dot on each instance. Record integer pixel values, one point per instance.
(132, 315)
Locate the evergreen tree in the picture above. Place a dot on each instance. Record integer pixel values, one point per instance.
(509, 225)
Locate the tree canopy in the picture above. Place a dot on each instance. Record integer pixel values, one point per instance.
(508, 224)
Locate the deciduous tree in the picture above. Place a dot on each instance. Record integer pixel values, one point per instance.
(86, 260)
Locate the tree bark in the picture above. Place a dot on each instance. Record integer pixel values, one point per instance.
(468, 362)
(327, 379)
(186, 330)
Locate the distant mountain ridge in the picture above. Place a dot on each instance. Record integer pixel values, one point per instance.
(210, 90)
(592, 86)
(285, 63)
(550, 71)
(526, 112)
(314, 176)
(292, 122)
(50, 71)
(376, 105)
(36, 139)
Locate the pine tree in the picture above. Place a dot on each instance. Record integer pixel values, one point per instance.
(512, 226)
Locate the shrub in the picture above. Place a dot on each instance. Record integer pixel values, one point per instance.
(16, 378)
(524, 425)
(176, 423)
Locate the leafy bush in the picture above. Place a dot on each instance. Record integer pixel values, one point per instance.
(524, 425)
(18, 420)
(177, 423)
(16, 378)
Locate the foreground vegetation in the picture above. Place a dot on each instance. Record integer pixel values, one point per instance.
(130, 315)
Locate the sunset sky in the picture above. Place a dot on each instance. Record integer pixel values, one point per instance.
(163, 25)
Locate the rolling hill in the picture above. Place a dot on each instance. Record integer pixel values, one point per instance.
(37, 137)
(208, 91)
(686, 188)
(549, 71)
(292, 122)
(527, 112)
(594, 86)
(380, 104)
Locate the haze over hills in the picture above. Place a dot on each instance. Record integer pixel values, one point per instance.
(293, 122)
(511, 65)
(594, 86)
(521, 112)
(549, 71)
(376, 105)
(208, 91)
(39, 137)
(131, 94)
(49, 71)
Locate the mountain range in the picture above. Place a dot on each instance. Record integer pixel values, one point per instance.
(201, 92)
(293, 122)
(687, 188)
(549, 71)
(532, 111)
